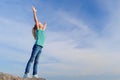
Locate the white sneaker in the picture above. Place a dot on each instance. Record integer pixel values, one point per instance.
(26, 75)
(35, 76)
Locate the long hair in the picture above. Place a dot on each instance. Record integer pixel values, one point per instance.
(33, 31)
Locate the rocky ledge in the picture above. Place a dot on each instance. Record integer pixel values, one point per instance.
(4, 76)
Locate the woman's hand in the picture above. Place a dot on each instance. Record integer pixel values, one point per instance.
(35, 17)
(33, 8)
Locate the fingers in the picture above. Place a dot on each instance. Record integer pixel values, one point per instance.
(45, 23)
(33, 8)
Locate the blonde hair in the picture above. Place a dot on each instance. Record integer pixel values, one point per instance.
(33, 31)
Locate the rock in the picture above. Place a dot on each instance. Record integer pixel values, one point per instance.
(4, 76)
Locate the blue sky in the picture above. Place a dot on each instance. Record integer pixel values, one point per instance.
(82, 38)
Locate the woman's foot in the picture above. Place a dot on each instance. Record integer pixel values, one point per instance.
(26, 75)
(35, 76)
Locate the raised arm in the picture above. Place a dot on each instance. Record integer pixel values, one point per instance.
(44, 26)
(35, 17)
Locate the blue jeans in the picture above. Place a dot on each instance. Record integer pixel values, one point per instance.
(36, 51)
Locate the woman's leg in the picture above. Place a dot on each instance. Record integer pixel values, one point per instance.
(36, 61)
(34, 53)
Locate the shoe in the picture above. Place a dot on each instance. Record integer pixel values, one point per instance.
(26, 75)
(35, 76)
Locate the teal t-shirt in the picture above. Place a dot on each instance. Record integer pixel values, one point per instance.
(40, 37)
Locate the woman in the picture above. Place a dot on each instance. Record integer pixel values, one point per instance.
(39, 35)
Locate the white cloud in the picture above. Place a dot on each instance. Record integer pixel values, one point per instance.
(92, 61)
(98, 60)
(16, 39)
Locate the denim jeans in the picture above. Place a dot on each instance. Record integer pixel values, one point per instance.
(36, 51)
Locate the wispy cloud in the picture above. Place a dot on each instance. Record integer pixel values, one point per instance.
(94, 60)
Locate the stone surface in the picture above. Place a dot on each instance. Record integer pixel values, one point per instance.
(4, 76)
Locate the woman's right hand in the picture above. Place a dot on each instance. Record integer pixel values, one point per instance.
(33, 8)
